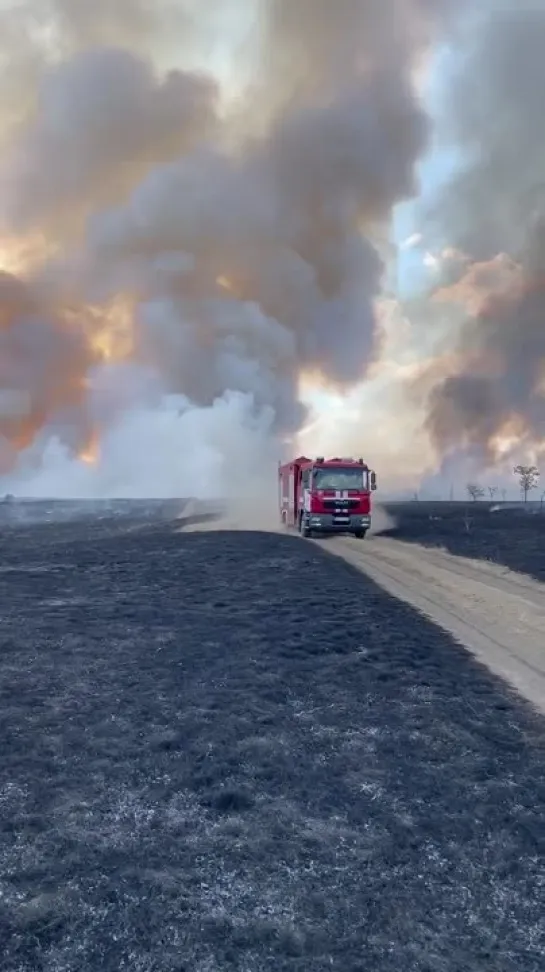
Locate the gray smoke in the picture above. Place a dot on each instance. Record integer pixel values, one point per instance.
(495, 205)
(240, 237)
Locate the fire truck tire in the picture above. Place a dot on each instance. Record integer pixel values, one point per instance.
(305, 531)
(360, 534)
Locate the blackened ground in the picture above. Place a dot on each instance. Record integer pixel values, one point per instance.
(26, 512)
(233, 752)
(510, 535)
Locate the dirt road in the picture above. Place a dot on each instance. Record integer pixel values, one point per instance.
(497, 614)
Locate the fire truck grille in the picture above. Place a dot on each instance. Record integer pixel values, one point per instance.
(345, 504)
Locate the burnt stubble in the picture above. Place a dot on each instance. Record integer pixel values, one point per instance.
(230, 751)
(510, 535)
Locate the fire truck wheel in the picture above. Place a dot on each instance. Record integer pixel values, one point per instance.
(360, 534)
(304, 530)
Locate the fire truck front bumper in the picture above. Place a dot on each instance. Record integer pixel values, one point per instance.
(337, 523)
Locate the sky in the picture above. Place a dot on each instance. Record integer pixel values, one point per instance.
(228, 56)
(226, 52)
(412, 275)
(433, 171)
(371, 414)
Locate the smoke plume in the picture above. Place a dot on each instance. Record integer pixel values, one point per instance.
(192, 255)
(494, 211)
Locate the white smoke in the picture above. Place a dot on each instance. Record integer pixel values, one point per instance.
(240, 242)
(158, 446)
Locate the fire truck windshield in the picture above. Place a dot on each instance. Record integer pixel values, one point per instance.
(340, 477)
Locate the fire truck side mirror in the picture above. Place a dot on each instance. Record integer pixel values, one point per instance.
(373, 480)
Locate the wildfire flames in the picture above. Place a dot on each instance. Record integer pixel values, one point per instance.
(112, 333)
(90, 454)
(490, 391)
(18, 256)
(177, 245)
(75, 339)
(103, 334)
(228, 284)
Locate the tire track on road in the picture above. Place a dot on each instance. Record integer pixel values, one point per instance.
(500, 620)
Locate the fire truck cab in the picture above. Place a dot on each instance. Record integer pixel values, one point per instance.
(326, 495)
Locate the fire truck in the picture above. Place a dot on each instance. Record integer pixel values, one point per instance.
(319, 496)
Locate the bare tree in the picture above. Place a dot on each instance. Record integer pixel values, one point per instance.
(492, 490)
(474, 491)
(528, 479)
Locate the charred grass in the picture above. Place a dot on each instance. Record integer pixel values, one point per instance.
(512, 537)
(232, 752)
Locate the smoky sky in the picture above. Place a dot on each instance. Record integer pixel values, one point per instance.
(241, 236)
(495, 204)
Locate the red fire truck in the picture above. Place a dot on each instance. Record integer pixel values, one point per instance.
(326, 495)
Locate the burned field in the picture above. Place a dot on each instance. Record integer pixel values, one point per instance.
(511, 536)
(233, 752)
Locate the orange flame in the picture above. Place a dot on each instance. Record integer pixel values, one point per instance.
(112, 337)
(90, 453)
(232, 286)
(20, 255)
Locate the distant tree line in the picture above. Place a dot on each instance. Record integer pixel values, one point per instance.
(528, 479)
